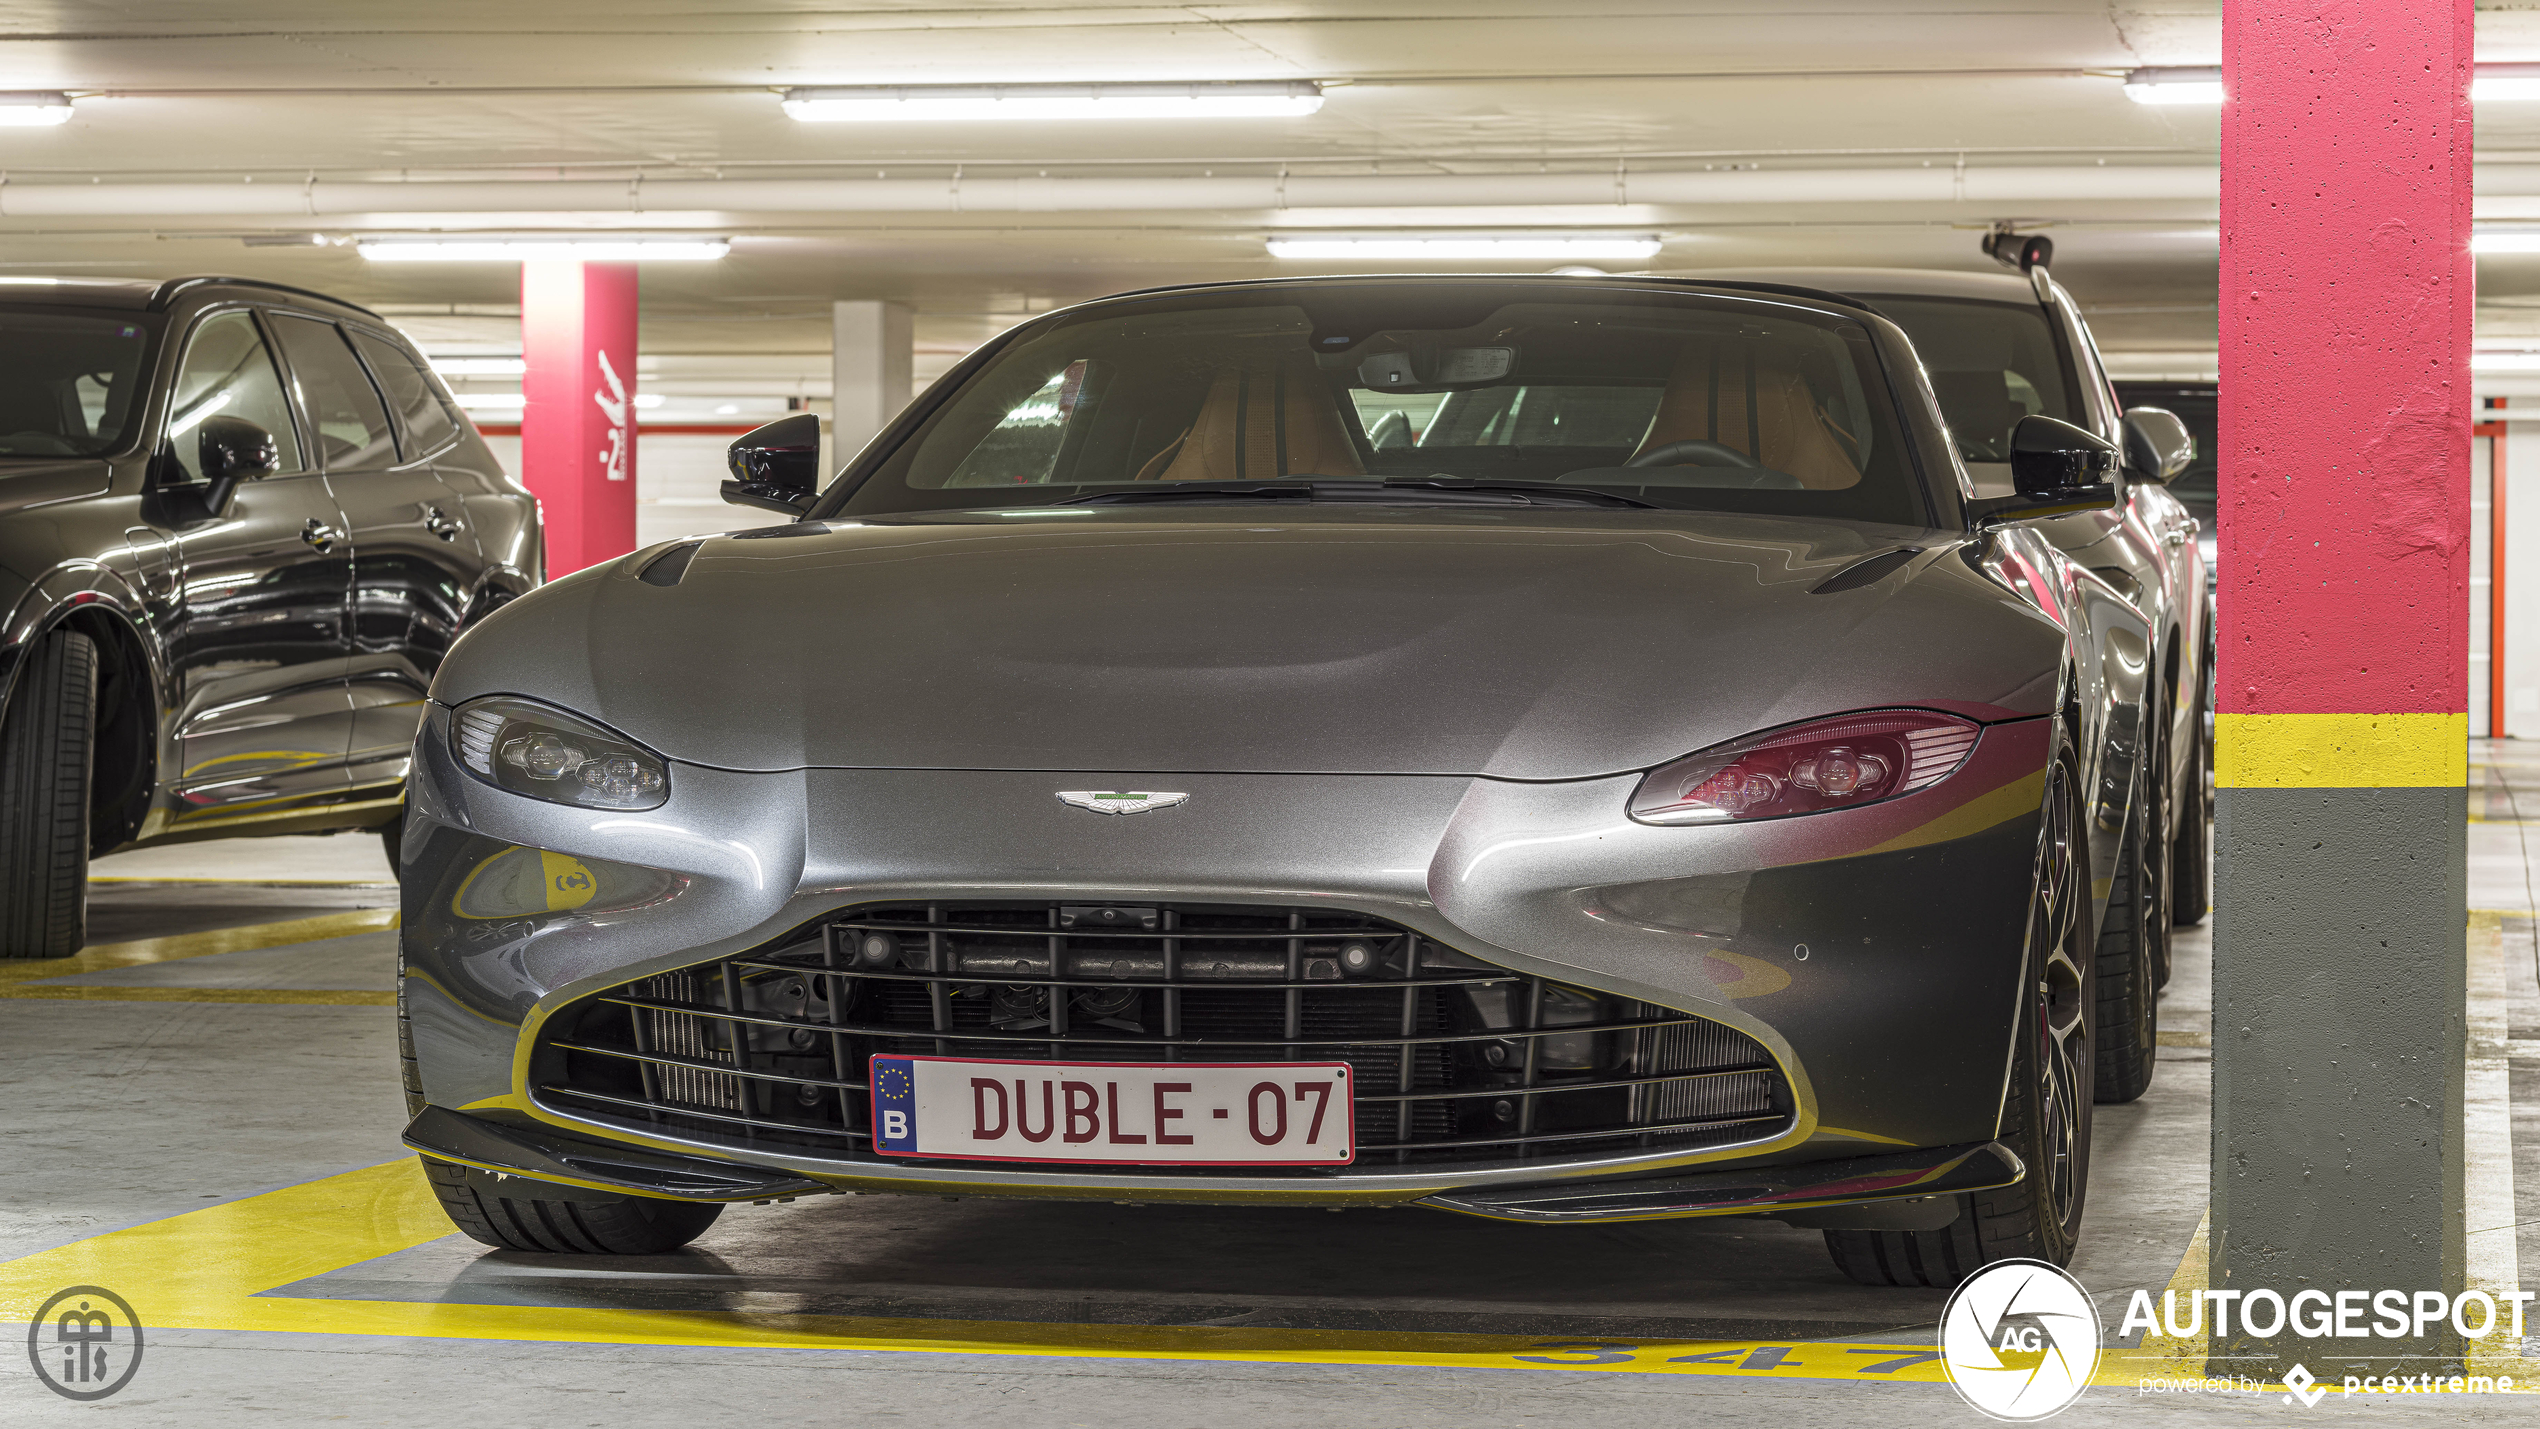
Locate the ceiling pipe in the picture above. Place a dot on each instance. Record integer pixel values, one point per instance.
(637, 198)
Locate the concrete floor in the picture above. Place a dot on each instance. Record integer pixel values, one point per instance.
(203, 1116)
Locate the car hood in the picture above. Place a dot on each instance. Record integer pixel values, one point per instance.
(1401, 641)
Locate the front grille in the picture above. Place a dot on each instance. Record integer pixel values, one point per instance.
(1453, 1059)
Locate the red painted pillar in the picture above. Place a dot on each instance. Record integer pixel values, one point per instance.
(577, 433)
(2342, 723)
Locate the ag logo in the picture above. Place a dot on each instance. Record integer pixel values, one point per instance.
(1106, 801)
(85, 1343)
(2020, 1340)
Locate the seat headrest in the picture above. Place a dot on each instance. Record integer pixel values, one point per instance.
(1742, 394)
(1259, 422)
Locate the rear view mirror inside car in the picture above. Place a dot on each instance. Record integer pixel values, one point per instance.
(1426, 369)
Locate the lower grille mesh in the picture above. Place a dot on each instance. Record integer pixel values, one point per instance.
(1454, 1059)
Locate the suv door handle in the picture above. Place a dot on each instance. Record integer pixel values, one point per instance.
(320, 535)
(440, 523)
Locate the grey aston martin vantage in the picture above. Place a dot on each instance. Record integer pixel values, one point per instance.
(1555, 749)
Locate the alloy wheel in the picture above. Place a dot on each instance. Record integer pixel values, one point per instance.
(2063, 1061)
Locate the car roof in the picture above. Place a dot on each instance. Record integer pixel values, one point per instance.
(148, 294)
(1742, 284)
(2000, 287)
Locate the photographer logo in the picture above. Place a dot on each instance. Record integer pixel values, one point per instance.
(2020, 1340)
(85, 1343)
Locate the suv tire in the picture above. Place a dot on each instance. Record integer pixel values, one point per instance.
(2134, 949)
(44, 772)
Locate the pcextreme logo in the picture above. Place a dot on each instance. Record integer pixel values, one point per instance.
(2020, 1340)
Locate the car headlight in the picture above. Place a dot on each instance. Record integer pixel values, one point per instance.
(543, 752)
(1839, 763)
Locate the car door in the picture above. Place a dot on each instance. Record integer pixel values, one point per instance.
(412, 560)
(256, 631)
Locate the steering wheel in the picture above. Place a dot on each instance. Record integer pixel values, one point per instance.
(1694, 453)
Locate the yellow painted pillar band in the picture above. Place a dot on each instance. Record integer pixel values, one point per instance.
(2341, 751)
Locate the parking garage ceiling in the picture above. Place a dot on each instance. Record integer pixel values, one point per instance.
(265, 140)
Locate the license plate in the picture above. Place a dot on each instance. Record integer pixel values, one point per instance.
(1115, 1113)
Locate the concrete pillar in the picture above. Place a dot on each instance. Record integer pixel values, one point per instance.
(2341, 756)
(577, 431)
(870, 366)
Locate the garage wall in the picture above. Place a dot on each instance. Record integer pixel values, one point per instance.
(2522, 585)
(676, 486)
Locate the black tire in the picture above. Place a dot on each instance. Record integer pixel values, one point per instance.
(2191, 853)
(625, 1225)
(2134, 946)
(44, 772)
(2046, 1114)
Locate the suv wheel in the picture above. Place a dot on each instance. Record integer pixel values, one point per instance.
(2046, 1114)
(2134, 946)
(44, 771)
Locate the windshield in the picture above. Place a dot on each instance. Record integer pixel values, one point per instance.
(69, 382)
(1668, 400)
(1990, 364)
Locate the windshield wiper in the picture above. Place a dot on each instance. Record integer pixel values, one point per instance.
(1418, 491)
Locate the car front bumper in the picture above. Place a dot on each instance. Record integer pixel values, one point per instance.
(1874, 953)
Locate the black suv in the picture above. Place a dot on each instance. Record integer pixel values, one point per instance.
(239, 526)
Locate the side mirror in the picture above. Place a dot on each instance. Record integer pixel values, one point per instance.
(776, 467)
(227, 451)
(2056, 470)
(2158, 445)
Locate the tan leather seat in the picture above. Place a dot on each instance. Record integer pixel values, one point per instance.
(1734, 393)
(1260, 423)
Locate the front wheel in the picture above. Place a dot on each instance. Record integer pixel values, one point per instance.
(612, 1225)
(2046, 1113)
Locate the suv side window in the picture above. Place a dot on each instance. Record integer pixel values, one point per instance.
(228, 372)
(352, 426)
(424, 424)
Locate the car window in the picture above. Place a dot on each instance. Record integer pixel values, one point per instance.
(425, 425)
(1991, 364)
(227, 372)
(1675, 399)
(352, 426)
(68, 382)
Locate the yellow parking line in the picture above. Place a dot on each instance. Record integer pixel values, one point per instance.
(206, 1269)
(142, 952)
(298, 997)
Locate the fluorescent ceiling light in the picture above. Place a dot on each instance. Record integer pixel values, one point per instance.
(28, 108)
(1529, 247)
(1216, 99)
(492, 401)
(613, 250)
(2200, 84)
(2506, 82)
(479, 366)
(2504, 240)
(647, 401)
(2504, 362)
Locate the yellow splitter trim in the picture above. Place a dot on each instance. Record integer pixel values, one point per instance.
(2341, 751)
